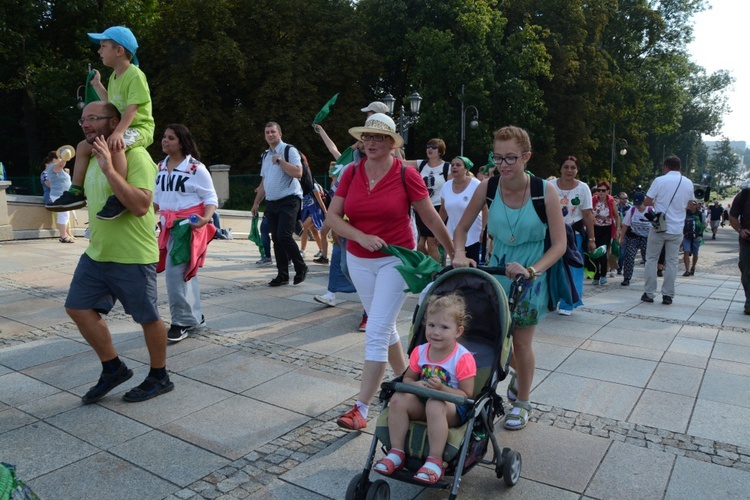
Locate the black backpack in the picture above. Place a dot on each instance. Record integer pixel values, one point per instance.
(690, 229)
(306, 181)
(537, 194)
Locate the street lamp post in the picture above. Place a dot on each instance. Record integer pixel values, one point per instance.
(404, 120)
(623, 152)
(474, 123)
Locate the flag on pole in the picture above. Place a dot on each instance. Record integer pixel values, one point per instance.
(91, 94)
(325, 110)
(490, 163)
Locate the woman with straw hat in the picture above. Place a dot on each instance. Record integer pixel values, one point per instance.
(376, 194)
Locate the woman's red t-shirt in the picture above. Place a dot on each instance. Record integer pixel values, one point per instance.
(384, 211)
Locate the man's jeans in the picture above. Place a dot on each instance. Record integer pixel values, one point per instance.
(671, 244)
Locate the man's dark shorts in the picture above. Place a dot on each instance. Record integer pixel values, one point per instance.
(98, 285)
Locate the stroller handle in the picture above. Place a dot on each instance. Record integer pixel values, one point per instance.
(496, 270)
(427, 393)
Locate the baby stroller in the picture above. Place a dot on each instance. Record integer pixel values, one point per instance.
(488, 338)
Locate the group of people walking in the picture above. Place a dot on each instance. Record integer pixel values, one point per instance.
(370, 210)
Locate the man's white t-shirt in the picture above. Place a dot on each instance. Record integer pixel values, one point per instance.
(662, 190)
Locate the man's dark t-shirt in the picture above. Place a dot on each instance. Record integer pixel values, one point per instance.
(741, 210)
(716, 211)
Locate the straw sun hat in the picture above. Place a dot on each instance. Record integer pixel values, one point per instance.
(378, 123)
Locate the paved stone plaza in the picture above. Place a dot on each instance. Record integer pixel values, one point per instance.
(632, 400)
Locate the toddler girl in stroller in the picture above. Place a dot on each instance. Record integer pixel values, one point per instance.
(440, 364)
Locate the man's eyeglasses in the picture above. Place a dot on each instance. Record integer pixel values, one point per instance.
(623, 199)
(374, 138)
(510, 160)
(431, 146)
(92, 119)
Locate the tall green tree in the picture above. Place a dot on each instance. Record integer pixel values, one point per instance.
(724, 164)
(232, 66)
(44, 55)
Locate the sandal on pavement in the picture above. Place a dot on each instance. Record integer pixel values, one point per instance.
(149, 388)
(388, 467)
(107, 382)
(512, 389)
(432, 477)
(352, 420)
(518, 416)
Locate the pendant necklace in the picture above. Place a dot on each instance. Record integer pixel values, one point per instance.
(512, 238)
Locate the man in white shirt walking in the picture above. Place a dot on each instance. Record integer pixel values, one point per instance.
(669, 195)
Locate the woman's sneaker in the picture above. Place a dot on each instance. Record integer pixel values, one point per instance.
(177, 333)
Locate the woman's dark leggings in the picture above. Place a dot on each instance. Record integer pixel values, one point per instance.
(603, 236)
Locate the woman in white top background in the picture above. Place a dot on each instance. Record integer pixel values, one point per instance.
(575, 202)
(454, 198)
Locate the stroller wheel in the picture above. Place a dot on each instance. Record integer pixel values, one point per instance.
(511, 467)
(379, 490)
(355, 491)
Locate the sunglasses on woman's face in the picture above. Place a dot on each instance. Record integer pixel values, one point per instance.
(431, 146)
(602, 190)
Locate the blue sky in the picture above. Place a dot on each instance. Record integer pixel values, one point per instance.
(721, 36)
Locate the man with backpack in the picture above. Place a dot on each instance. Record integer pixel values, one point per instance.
(692, 236)
(281, 171)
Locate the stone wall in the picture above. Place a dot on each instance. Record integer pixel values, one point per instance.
(24, 217)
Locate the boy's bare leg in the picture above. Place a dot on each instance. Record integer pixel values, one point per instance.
(83, 155)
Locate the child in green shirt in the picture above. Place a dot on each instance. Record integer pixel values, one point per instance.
(128, 91)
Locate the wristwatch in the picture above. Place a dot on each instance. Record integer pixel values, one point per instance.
(278, 160)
